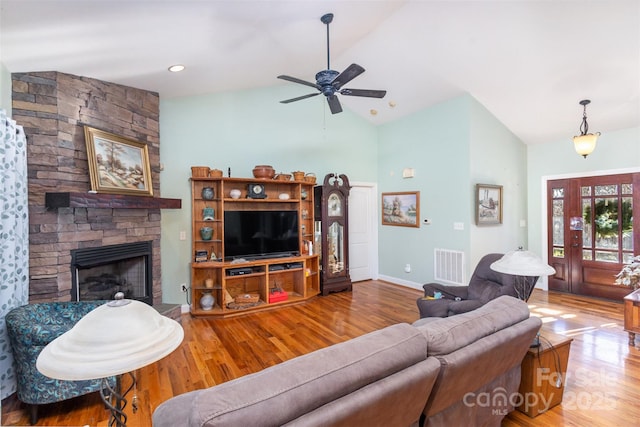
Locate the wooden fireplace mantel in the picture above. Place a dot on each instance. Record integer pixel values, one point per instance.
(114, 201)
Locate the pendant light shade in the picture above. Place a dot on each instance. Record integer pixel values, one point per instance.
(585, 143)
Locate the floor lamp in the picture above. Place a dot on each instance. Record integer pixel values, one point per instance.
(526, 266)
(114, 339)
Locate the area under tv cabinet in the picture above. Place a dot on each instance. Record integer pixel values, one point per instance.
(243, 286)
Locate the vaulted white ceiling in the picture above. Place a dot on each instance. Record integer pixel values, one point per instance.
(528, 62)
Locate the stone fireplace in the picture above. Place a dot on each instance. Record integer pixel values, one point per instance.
(53, 109)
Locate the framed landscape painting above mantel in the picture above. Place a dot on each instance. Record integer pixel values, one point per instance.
(117, 165)
(488, 204)
(402, 208)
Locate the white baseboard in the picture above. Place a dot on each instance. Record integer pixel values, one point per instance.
(407, 283)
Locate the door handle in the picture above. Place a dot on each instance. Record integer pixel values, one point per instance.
(575, 245)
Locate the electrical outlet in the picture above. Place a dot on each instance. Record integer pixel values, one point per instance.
(183, 286)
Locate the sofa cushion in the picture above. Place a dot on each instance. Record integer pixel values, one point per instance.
(284, 392)
(471, 367)
(446, 335)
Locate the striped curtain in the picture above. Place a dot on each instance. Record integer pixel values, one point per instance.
(14, 237)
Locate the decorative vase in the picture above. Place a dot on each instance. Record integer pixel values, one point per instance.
(235, 193)
(208, 193)
(206, 233)
(207, 300)
(264, 172)
(208, 214)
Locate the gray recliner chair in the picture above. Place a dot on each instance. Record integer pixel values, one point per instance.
(484, 285)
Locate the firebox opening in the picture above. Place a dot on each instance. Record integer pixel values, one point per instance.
(99, 273)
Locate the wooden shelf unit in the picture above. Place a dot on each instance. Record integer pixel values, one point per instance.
(298, 275)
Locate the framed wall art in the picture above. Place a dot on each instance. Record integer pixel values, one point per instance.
(117, 165)
(488, 204)
(402, 209)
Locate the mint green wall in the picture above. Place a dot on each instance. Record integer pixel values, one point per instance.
(243, 129)
(498, 157)
(452, 146)
(616, 152)
(5, 89)
(435, 142)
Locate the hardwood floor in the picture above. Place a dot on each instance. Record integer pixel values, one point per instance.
(602, 387)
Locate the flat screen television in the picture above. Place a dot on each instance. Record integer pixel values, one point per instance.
(260, 234)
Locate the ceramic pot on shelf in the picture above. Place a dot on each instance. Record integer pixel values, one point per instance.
(235, 193)
(264, 172)
(208, 214)
(207, 300)
(208, 193)
(206, 233)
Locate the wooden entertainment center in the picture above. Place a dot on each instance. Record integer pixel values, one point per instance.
(235, 285)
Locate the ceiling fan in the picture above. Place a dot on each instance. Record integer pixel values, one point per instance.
(330, 82)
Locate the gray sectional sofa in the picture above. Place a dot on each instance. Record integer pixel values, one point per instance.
(436, 372)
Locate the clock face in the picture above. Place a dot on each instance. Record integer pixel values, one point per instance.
(334, 205)
(256, 191)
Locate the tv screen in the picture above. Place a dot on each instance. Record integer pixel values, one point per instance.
(260, 234)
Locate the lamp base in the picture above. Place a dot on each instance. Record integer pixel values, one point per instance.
(115, 400)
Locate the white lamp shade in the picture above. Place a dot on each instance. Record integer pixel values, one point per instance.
(585, 144)
(117, 337)
(522, 263)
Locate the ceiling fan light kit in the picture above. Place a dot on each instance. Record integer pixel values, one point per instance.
(585, 143)
(330, 82)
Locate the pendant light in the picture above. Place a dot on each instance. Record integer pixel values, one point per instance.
(585, 143)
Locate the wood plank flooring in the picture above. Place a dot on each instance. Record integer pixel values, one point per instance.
(603, 375)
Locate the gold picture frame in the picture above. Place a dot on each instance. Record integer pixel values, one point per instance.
(401, 209)
(488, 204)
(117, 165)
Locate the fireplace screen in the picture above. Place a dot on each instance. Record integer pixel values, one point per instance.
(99, 273)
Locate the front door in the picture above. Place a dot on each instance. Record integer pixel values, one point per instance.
(590, 232)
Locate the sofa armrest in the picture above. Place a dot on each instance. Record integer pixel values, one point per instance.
(448, 292)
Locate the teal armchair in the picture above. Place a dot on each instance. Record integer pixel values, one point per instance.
(30, 328)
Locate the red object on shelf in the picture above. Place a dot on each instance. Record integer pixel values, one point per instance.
(277, 296)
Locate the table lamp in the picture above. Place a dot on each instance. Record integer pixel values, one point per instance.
(526, 266)
(116, 338)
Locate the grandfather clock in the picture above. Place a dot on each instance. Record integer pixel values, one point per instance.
(332, 211)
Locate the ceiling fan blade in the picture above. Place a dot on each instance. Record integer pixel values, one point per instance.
(364, 92)
(300, 81)
(334, 104)
(286, 101)
(352, 71)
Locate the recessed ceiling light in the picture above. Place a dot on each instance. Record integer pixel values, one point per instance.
(392, 104)
(373, 112)
(176, 68)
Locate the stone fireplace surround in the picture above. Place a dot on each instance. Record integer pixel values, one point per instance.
(53, 107)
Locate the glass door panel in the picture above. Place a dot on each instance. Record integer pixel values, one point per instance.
(558, 223)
